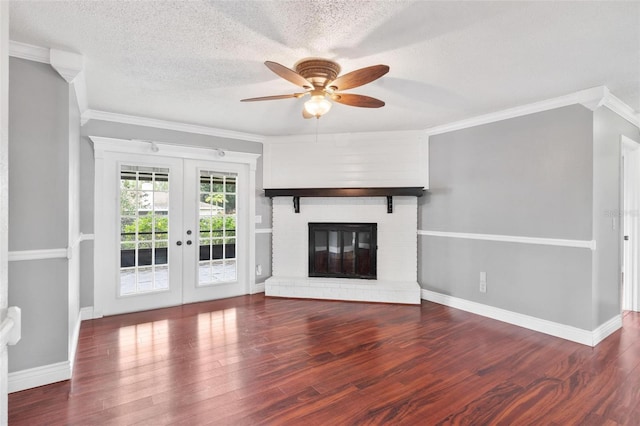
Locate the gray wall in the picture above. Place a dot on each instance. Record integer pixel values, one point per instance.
(128, 131)
(38, 156)
(39, 288)
(38, 210)
(527, 176)
(86, 274)
(607, 129)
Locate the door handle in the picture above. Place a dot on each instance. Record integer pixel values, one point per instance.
(188, 242)
(179, 243)
(189, 232)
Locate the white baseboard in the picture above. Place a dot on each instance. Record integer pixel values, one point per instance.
(86, 313)
(39, 376)
(607, 329)
(47, 374)
(259, 288)
(567, 332)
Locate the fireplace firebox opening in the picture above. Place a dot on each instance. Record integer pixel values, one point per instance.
(343, 250)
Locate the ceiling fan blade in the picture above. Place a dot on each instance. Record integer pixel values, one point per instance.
(289, 74)
(305, 114)
(357, 100)
(359, 77)
(273, 98)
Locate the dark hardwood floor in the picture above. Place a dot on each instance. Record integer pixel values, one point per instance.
(256, 360)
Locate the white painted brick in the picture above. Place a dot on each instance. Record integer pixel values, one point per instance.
(397, 253)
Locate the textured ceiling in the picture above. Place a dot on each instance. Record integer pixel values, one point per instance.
(193, 61)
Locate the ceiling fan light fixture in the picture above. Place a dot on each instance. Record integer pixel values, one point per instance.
(319, 77)
(317, 106)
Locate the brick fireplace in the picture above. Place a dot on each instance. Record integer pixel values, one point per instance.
(396, 261)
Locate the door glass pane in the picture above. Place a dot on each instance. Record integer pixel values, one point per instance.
(217, 219)
(144, 227)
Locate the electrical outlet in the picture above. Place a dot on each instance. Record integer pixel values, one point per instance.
(483, 282)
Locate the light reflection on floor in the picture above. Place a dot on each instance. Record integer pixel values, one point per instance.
(142, 340)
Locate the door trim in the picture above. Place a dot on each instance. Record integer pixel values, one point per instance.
(629, 211)
(103, 146)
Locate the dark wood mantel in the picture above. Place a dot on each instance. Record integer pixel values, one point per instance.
(389, 192)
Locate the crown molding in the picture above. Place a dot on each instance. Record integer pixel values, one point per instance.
(623, 110)
(29, 52)
(92, 114)
(80, 87)
(68, 64)
(590, 98)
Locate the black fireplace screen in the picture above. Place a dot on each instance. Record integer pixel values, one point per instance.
(342, 250)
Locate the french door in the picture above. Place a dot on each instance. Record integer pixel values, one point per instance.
(149, 261)
(175, 234)
(214, 269)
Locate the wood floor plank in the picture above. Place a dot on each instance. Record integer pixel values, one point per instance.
(258, 360)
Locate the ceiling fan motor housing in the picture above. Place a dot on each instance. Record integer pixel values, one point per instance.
(318, 71)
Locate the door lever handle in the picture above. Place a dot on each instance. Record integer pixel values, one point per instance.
(188, 242)
(179, 243)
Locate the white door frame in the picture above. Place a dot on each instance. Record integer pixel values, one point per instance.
(630, 222)
(103, 146)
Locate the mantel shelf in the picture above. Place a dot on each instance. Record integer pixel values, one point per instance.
(389, 192)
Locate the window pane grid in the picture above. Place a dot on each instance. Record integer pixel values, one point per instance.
(144, 227)
(217, 216)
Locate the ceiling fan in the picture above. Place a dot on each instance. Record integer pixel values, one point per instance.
(319, 78)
